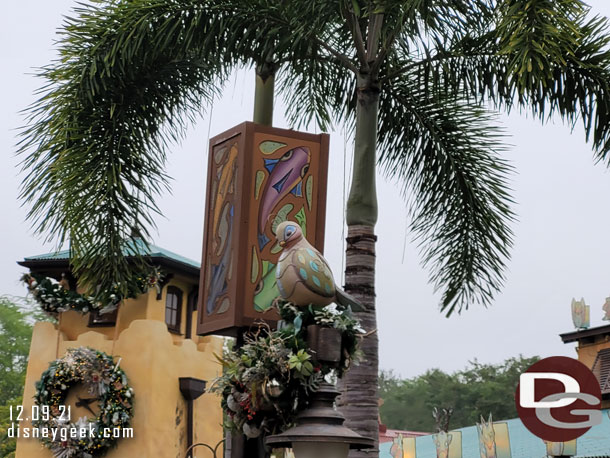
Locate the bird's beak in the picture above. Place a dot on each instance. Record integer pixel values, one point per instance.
(282, 243)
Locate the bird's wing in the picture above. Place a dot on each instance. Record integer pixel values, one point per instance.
(312, 269)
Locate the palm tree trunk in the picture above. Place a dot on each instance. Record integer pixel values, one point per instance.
(263, 93)
(359, 386)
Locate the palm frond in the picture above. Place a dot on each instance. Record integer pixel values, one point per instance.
(318, 88)
(559, 62)
(131, 75)
(544, 56)
(445, 154)
(317, 91)
(130, 78)
(315, 48)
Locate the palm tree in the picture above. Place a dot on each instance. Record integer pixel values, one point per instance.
(418, 82)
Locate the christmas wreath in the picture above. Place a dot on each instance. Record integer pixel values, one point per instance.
(54, 297)
(269, 380)
(105, 381)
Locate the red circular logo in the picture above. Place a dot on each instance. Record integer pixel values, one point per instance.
(558, 399)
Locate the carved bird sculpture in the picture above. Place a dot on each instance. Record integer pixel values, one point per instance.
(302, 274)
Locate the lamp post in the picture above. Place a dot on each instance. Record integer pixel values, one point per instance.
(191, 388)
(320, 432)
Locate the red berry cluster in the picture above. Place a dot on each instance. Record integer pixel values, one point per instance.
(247, 406)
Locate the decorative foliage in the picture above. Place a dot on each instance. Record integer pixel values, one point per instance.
(104, 380)
(55, 297)
(94, 126)
(267, 381)
(330, 317)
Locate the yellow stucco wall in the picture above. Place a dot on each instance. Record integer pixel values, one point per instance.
(146, 306)
(153, 360)
(588, 353)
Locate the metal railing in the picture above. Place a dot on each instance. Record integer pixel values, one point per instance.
(213, 450)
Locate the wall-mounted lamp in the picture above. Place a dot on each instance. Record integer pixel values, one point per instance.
(191, 388)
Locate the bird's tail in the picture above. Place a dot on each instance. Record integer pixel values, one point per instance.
(347, 300)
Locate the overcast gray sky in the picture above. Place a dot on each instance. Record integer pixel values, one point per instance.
(561, 244)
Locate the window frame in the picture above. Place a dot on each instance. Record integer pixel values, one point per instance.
(191, 307)
(174, 291)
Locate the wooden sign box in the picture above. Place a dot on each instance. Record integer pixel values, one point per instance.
(258, 176)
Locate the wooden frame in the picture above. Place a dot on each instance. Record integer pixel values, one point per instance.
(243, 164)
(191, 306)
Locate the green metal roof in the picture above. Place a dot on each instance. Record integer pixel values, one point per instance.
(132, 248)
(595, 443)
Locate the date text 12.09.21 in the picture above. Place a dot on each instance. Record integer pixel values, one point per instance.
(44, 413)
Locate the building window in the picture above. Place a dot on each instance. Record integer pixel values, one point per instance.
(173, 308)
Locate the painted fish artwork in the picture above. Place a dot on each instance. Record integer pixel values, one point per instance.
(580, 314)
(266, 289)
(221, 271)
(285, 176)
(226, 178)
(258, 177)
(223, 212)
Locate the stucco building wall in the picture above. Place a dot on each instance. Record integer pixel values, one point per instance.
(153, 360)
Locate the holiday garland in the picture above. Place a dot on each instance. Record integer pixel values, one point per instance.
(103, 379)
(269, 380)
(55, 297)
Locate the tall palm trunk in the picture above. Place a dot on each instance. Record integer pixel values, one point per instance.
(264, 92)
(359, 386)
